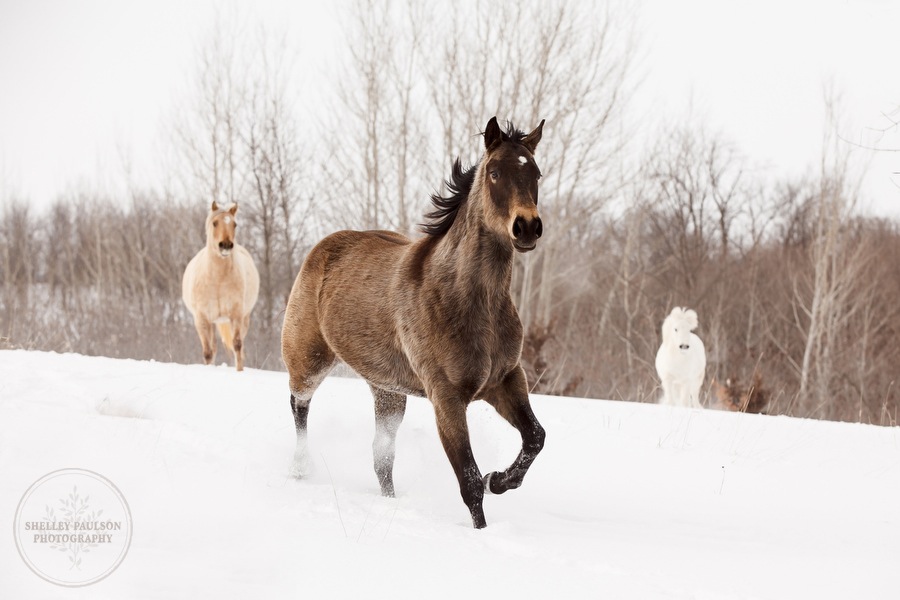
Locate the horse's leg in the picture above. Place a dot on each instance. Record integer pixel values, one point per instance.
(667, 399)
(245, 327)
(694, 391)
(206, 329)
(389, 409)
(684, 397)
(698, 388)
(239, 334)
(450, 412)
(307, 366)
(510, 399)
(237, 342)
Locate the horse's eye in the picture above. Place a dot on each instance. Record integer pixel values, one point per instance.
(215, 223)
(495, 175)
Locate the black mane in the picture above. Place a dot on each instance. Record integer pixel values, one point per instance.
(459, 185)
(445, 208)
(512, 134)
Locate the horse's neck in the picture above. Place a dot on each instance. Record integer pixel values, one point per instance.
(217, 265)
(480, 263)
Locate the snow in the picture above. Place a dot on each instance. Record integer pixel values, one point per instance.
(627, 500)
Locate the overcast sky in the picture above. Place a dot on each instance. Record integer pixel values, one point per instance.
(85, 83)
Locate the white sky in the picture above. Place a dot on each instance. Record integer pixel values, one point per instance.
(83, 83)
(757, 71)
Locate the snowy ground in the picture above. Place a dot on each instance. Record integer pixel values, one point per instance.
(626, 501)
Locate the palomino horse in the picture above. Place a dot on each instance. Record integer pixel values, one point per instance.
(220, 287)
(433, 317)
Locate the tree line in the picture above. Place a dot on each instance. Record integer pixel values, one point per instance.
(793, 286)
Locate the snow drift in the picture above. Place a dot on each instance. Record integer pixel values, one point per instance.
(626, 500)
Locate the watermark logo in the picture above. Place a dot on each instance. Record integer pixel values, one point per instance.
(73, 527)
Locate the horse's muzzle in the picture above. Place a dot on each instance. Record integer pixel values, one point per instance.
(526, 232)
(225, 249)
(683, 346)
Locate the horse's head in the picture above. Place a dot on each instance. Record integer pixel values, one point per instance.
(220, 226)
(678, 326)
(509, 178)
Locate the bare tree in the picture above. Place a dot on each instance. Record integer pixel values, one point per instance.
(206, 127)
(379, 145)
(276, 207)
(563, 61)
(241, 140)
(835, 271)
(18, 257)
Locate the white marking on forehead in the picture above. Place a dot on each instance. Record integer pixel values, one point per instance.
(523, 160)
(227, 219)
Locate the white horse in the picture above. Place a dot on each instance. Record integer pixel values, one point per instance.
(681, 360)
(220, 287)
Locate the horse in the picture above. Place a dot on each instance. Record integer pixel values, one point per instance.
(220, 287)
(740, 397)
(432, 318)
(681, 359)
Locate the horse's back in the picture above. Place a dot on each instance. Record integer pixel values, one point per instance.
(341, 299)
(249, 275)
(349, 244)
(347, 250)
(348, 265)
(698, 350)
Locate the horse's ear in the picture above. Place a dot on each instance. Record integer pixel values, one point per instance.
(531, 140)
(492, 134)
(233, 208)
(214, 206)
(691, 318)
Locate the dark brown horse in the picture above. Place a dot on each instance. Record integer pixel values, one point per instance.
(433, 317)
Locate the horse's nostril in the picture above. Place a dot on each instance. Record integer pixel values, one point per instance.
(226, 245)
(518, 227)
(539, 228)
(684, 346)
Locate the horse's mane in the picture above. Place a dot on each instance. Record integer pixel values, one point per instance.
(680, 316)
(459, 185)
(512, 134)
(446, 207)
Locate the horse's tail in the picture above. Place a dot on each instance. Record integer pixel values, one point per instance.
(225, 334)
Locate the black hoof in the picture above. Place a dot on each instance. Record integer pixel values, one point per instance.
(487, 482)
(495, 483)
(498, 483)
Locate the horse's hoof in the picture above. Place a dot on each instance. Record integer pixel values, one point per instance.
(478, 521)
(300, 468)
(487, 483)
